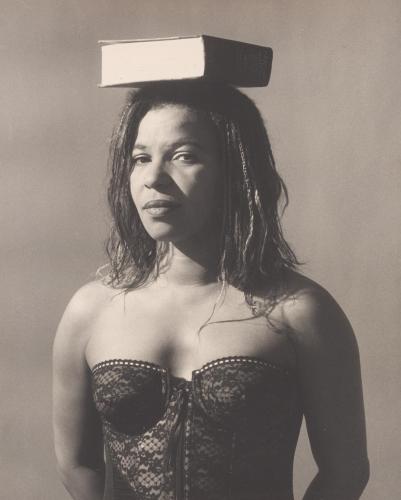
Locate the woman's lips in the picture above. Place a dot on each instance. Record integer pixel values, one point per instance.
(160, 207)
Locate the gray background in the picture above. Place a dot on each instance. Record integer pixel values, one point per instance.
(333, 112)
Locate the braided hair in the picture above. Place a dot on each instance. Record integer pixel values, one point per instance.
(253, 250)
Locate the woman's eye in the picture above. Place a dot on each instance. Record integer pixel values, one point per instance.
(185, 157)
(140, 160)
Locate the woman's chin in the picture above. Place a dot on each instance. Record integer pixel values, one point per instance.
(166, 233)
(165, 236)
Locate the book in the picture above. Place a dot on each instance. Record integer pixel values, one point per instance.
(132, 63)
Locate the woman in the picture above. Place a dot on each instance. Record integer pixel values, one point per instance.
(188, 368)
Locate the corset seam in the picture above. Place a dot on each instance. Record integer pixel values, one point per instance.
(187, 447)
(231, 465)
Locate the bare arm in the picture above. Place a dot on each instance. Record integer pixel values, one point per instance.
(330, 379)
(77, 431)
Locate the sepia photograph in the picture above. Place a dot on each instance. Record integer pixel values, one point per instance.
(201, 250)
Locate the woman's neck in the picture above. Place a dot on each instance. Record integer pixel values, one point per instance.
(191, 264)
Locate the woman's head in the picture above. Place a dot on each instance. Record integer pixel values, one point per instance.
(176, 174)
(202, 147)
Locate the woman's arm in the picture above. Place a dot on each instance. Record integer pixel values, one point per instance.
(330, 380)
(77, 430)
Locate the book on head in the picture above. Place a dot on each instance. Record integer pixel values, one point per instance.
(132, 63)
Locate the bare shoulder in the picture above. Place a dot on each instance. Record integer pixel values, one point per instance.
(74, 329)
(312, 315)
(86, 304)
(307, 302)
(88, 299)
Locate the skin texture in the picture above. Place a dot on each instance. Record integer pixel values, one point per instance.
(175, 158)
(164, 322)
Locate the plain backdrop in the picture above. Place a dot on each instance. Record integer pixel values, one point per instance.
(333, 111)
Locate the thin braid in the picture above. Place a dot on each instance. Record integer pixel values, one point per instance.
(264, 224)
(252, 247)
(248, 195)
(227, 224)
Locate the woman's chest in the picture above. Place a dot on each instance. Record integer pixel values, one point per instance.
(185, 336)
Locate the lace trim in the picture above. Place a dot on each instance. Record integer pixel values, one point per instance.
(247, 359)
(127, 362)
(210, 364)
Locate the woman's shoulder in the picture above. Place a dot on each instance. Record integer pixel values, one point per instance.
(89, 299)
(83, 308)
(304, 298)
(308, 311)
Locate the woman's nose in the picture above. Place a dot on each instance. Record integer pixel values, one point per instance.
(156, 174)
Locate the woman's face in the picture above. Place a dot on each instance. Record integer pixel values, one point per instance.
(176, 173)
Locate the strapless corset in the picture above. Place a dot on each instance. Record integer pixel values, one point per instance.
(228, 434)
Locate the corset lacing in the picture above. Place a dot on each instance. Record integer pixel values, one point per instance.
(174, 457)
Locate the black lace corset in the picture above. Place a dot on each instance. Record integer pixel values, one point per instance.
(228, 434)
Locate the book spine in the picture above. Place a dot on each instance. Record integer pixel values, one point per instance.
(238, 63)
